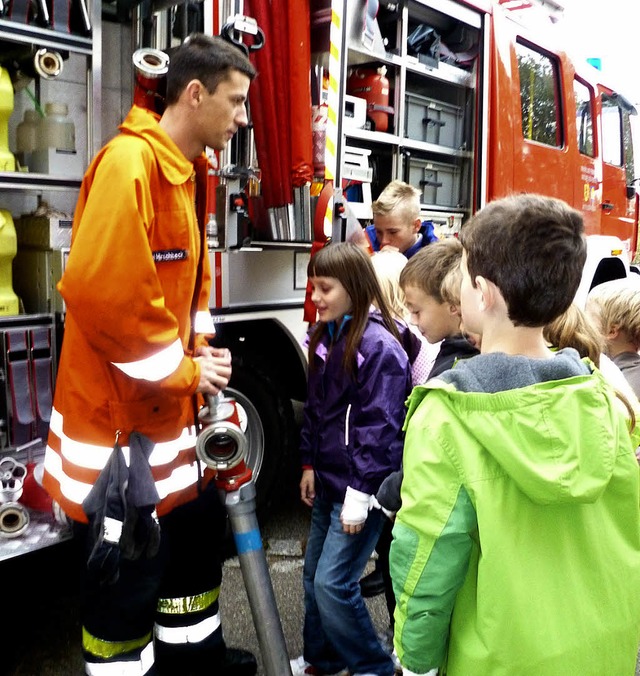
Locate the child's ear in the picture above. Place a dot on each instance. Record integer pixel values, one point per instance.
(486, 293)
(613, 332)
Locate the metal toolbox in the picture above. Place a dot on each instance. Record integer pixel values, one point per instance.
(438, 183)
(42, 232)
(35, 275)
(433, 121)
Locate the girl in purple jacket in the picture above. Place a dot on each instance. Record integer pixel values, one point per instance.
(351, 439)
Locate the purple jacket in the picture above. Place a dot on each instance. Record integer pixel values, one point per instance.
(352, 429)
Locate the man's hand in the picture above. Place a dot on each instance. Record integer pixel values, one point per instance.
(215, 369)
(308, 487)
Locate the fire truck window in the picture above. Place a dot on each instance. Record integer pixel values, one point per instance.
(627, 140)
(584, 118)
(611, 131)
(539, 97)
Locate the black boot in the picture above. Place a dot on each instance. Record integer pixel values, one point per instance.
(372, 584)
(237, 662)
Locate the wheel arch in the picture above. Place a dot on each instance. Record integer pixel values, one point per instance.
(269, 342)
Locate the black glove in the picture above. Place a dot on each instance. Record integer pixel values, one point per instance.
(105, 508)
(141, 530)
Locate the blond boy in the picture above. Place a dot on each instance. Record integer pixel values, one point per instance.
(614, 307)
(396, 221)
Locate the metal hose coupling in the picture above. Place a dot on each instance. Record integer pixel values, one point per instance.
(48, 63)
(150, 63)
(14, 520)
(221, 445)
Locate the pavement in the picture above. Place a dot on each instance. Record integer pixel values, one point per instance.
(40, 601)
(41, 594)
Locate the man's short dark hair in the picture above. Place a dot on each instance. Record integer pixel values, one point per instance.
(533, 249)
(206, 58)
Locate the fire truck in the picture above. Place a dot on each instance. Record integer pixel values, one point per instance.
(467, 100)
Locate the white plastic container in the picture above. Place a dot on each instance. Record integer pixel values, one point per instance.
(27, 132)
(56, 129)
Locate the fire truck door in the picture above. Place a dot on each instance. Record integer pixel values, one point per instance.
(618, 205)
(541, 162)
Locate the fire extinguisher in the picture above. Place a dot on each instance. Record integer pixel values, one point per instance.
(372, 85)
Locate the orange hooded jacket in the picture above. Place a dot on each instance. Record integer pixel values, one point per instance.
(128, 287)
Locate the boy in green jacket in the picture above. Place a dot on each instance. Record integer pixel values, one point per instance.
(516, 550)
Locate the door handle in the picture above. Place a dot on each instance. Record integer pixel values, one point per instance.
(607, 206)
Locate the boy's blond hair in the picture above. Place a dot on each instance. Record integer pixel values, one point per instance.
(398, 198)
(388, 266)
(435, 270)
(618, 304)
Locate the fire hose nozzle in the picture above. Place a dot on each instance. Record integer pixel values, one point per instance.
(221, 446)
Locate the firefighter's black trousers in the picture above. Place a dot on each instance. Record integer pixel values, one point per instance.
(173, 596)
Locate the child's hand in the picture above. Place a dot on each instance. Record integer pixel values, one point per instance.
(308, 487)
(354, 511)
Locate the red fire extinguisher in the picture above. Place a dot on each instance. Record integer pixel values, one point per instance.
(372, 85)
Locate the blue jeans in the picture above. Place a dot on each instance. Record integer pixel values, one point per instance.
(338, 631)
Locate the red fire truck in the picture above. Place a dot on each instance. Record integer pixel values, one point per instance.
(479, 105)
(468, 100)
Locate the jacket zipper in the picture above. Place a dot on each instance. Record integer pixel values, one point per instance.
(346, 426)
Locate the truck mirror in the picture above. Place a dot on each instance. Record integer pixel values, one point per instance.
(631, 191)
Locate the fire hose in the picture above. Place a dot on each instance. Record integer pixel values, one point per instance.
(222, 446)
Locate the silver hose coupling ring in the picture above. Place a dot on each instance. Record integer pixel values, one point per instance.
(48, 63)
(14, 520)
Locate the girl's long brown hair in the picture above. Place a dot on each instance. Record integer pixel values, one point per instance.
(351, 266)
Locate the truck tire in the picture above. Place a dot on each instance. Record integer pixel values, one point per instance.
(266, 417)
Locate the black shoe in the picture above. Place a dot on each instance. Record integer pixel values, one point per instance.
(237, 662)
(372, 584)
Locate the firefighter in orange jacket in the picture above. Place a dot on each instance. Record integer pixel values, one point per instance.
(135, 354)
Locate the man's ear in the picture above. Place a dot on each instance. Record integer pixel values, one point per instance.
(193, 93)
(416, 224)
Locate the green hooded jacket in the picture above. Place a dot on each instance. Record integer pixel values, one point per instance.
(516, 550)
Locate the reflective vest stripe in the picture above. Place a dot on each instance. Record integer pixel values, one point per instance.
(121, 668)
(76, 491)
(190, 634)
(94, 457)
(156, 367)
(204, 323)
(188, 604)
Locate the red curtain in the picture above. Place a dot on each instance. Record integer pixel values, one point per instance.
(280, 98)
